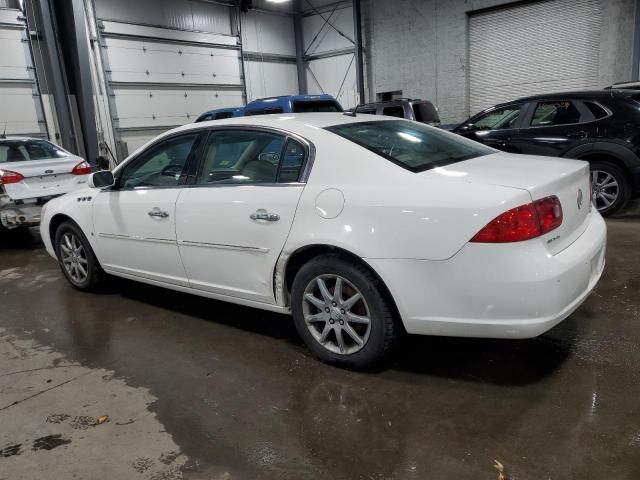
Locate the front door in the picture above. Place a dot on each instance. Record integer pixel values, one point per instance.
(497, 128)
(233, 224)
(135, 220)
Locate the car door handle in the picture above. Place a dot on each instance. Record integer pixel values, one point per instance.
(262, 214)
(156, 212)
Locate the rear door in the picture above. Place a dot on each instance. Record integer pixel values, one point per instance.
(497, 128)
(233, 223)
(46, 168)
(553, 127)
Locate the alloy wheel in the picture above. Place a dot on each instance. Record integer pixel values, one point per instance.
(604, 189)
(74, 258)
(336, 313)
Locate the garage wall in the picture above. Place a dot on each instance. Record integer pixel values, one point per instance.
(421, 48)
(268, 44)
(331, 62)
(20, 105)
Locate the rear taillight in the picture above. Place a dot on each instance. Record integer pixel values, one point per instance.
(83, 168)
(7, 177)
(523, 223)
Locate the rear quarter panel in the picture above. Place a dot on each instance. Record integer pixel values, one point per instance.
(389, 212)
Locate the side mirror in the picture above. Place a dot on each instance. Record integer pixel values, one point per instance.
(101, 179)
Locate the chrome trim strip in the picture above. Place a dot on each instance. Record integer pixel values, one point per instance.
(220, 246)
(137, 238)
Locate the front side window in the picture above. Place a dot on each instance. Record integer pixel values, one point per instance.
(556, 112)
(411, 145)
(241, 157)
(27, 150)
(163, 165)
(498, 119)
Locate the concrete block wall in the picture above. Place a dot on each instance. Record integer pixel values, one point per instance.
(420, 47)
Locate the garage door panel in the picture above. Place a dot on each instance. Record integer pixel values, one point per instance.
(18, 111)
(533, 48)
(168, 107)
(139, 61)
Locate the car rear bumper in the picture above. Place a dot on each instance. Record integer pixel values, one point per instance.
(516, 290)
(14, 216)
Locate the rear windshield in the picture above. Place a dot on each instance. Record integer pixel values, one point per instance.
(315, 106)
(425, 112)
(25, 150)
(411, 145)
(264, 111)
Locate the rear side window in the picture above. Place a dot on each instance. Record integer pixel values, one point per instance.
(264, 111)
(221, 115)
(315, 106)
(556, 112)
(366, 110)
(205, 118)
(597, 111)
(411, 145)
(26, 150)
(425, 112)
(395, 111)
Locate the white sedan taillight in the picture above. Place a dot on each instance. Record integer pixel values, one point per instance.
(523, 223)
(83, 168)
(7, 177)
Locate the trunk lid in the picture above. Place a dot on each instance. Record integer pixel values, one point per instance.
(42, 178)
(541, 177)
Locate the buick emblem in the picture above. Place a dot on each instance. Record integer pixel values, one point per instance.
(579, 199)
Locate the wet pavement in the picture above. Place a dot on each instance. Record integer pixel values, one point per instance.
(241, 398)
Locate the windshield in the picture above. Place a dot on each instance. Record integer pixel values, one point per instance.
(411, 145)
(316, 106)
(26, 150)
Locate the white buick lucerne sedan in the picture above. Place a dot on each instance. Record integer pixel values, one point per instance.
(362, 227)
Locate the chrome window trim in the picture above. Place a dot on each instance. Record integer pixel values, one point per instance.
(305, 171)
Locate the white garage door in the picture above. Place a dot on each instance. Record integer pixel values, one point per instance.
(533, 48)
(162, 78)
(20, 107)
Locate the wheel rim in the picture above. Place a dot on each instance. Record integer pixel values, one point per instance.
(604, 189)
(336, 314)
(74, 258)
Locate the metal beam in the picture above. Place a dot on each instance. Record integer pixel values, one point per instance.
(330, 53)
(635, 73)
(357, 32)
(56, 81)
(300, 60)
(84, 81)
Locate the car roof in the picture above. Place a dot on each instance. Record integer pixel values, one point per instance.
(594, 94)
(292, 122)
(21, 139)
(395, 101)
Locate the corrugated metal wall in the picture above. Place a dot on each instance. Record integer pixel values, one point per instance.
(533, 48)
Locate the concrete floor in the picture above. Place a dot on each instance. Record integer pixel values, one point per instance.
(201, 389)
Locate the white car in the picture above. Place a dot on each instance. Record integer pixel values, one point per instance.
(360, 226)
(32, 171)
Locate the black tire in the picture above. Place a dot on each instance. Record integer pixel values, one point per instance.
(95, 274)
(383, 329)
(624, 187)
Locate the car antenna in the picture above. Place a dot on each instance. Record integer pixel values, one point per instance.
(4, 132)
(350, 114)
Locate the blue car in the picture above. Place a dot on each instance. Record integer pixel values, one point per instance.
(283, 104)
(221, 113)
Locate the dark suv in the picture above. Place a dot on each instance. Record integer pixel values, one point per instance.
(601, 127)
(419, 110)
